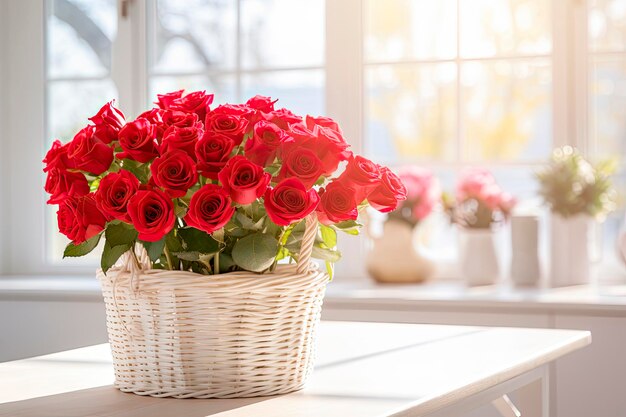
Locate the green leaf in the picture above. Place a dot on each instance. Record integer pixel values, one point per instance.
(141, 171)
(328, 255)
(118, 233)
(330, 269)
(329, 236)
(72, 250)
(154, 249)
(195, 240)
(226, 263)
(350, 227)
(247, 223)
(255, 252)
(273, 169)
(111, 254)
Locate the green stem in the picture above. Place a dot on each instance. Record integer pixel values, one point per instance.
(168, 257)
(216, 263)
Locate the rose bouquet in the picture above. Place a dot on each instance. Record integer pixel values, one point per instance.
(211, 190)
(479, 202)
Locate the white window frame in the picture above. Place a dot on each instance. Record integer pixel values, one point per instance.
(22, 109)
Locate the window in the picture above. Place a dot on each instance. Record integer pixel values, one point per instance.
(446, 84)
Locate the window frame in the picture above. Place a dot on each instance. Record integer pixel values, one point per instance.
(22, 86)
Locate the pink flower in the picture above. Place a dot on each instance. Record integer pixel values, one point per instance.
(475, 183)
(423, 191)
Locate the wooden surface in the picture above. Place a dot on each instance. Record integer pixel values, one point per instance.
(363, 369)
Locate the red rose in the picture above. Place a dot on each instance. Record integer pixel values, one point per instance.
(179, 118)
(337, 204)
(62, 184)
(282, 118)
(89, 153)
(302, 163)
(165, 101)
(262, 147)
(324, 143)
(244, 180)
(57, 157)
(386, 196)
(79, 218)
(175, 172)
(212, 152)
(229, 120)
(155, 117)
(152, 214)
(322, 121)
(261, 103)
(197, 102)
(108, 121)
(362, 176)
(137, 140)
(210, 208)
(183, 138)
(290, 201)
(114, 192)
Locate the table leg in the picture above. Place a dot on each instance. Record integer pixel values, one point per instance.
(533, 399)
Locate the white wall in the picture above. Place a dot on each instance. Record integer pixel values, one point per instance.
(3, 139)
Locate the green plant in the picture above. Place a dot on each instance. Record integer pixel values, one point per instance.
(571, 185)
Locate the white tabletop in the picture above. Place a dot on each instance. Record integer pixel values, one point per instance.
(363, 369)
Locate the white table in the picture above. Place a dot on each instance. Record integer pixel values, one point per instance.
(363, 369)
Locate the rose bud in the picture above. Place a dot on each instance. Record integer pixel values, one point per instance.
(137, 140)
(210, 208)
(389, 193)
(89, 153)
(152, 214)
(261, 103)
(57, 157)
(79, 218)
(114, 192)
(175, 172)
(228, 120)
(263, 146)
(212, 152)
(183, 138)
(362, 176)
(108, 121)
(290, 201)
(61, 184)
(337, 204)
(244, 180)
(301, 163)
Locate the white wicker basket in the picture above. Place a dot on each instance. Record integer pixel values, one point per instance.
(187, 335)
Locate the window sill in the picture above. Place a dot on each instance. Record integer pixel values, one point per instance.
(49, 288)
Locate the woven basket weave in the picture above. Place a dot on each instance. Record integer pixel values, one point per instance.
(187, 335)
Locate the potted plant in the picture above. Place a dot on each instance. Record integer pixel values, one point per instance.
(208, 219)
(577, 193)
(478, 208)
(396, 255)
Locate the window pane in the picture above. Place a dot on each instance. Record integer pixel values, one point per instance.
(300, 91)
(223, 86)
(282, 33)
(505, 27)
(411, 111)
(71, 103)
(607, 107)
(506, 110)
(607, 25)
(79, 37)
(192, 35)
(409, 29)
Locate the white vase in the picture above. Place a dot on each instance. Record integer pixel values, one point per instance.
(478, 257)
(525, 269)
(394, 257)
(569, 250)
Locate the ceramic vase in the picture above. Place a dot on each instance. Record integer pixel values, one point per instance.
(395, 257)
(478, 257)
(525, 269)
(569, 250)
